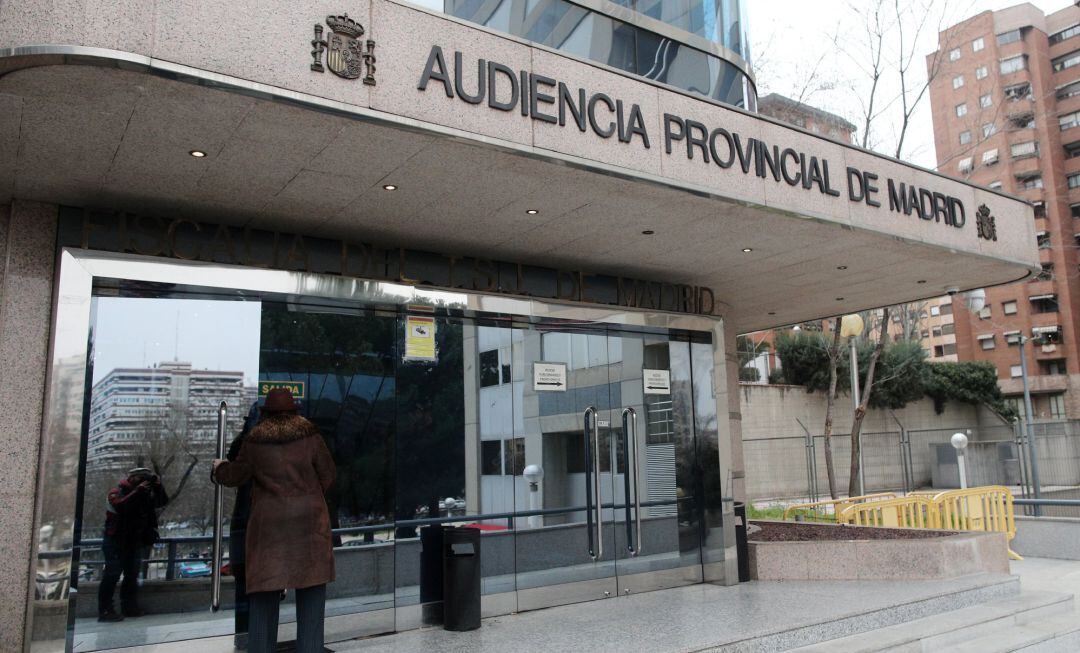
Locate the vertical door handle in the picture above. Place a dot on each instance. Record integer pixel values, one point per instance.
(219, 506)
(590, 420)
(597, 495)
(630, 443)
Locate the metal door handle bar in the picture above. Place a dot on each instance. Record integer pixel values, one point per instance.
(219, 507)
(629, 416)
(596, 487)
(590, 420)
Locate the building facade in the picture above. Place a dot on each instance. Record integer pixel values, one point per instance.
(503, 276)
(1006, 100)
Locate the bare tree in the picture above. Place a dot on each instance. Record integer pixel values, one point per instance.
(909, 318)
(860, 411)
(830, 399)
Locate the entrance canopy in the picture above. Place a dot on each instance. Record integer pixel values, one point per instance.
(495, 149)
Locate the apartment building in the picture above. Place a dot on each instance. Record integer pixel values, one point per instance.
(1006, 107)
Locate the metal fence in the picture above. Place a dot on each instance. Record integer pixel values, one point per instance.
(902, 460)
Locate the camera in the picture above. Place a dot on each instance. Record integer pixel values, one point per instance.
(952, 290)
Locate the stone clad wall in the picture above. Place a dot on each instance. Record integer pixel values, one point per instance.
(27, 242)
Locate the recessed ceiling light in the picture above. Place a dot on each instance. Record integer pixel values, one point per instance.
(772, 312)
(921, 281)
(532, 211)
(389, 187)
(648, 232)
(747, 250)
(198, 154)
(841, 267)
(839, 299)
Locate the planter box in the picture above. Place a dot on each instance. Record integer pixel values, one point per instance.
(854, 553)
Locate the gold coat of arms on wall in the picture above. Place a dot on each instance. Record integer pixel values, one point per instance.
(348, 55)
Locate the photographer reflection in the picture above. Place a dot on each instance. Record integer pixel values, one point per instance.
(130, 529)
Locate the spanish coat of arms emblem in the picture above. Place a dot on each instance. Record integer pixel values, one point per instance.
(985, 223)
(348, 55)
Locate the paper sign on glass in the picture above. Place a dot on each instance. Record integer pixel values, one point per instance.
(419, 338)
(657, 382)
(549, 377)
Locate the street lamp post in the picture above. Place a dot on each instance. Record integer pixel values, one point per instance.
(851, 327)
(959, 442)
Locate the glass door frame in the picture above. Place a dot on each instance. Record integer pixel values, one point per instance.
(63, 410)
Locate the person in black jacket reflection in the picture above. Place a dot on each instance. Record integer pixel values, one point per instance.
(237, 530)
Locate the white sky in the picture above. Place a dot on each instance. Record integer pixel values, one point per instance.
(789, 36)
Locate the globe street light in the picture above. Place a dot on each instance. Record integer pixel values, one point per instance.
(959, 442)
(851, 327)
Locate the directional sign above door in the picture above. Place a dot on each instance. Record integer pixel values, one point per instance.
(549, 377)
(657, 382)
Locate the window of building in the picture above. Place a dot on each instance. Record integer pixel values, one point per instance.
(1067, 33)
(1051, 367)
(1031, 181)
(957, 81)
(965, 164)
(946, 309)
(989, 158)
(1046, 335)
(1018, 91)
(984, 312)
(944, 350)
(1057, 406)
(1069, 120)
(489, 368)
(1072, 150)
(1015, 372)
(994, 185)
(986, 100)
(988, 130)
(1039, 209)
(961, 110)
(1024, 120)
(987, 342)
(925, 334)
(1044, 304)
(1074, 210)
(491, 457)
(965, 137)
(954, 54)
(1066, 61)
(1024, 150)
(981, 72)
(1069, 90)
(935, 331)
(948, 329)
(1014, 64)
(1009, 307)
(978, 44)
(1042, 240)
(1011, 337)
(1074, 180)
(1012, 36)
(935, 310)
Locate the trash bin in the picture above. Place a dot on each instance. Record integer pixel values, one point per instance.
(742, 549)
(461, 578)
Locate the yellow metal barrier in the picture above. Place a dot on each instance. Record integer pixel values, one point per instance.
(988, 508)
(901, 512)
(830, 509)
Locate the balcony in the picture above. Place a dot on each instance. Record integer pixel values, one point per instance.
(1037, 383)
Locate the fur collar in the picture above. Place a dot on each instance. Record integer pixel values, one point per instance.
(282, 428)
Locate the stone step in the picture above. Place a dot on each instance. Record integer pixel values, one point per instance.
(947, 630)
(1060, 634)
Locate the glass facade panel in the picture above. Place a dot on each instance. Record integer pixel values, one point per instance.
(575, 30)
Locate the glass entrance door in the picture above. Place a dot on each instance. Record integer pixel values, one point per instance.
(610, 466)
(658, 519)
(161, 365)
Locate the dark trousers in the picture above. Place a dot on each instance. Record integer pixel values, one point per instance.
(124, 561)
(263, 624)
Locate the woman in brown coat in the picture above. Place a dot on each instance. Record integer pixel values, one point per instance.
(289, 543)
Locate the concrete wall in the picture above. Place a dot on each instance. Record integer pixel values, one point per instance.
(1047, 537)
(774, 444)
(27, 243)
